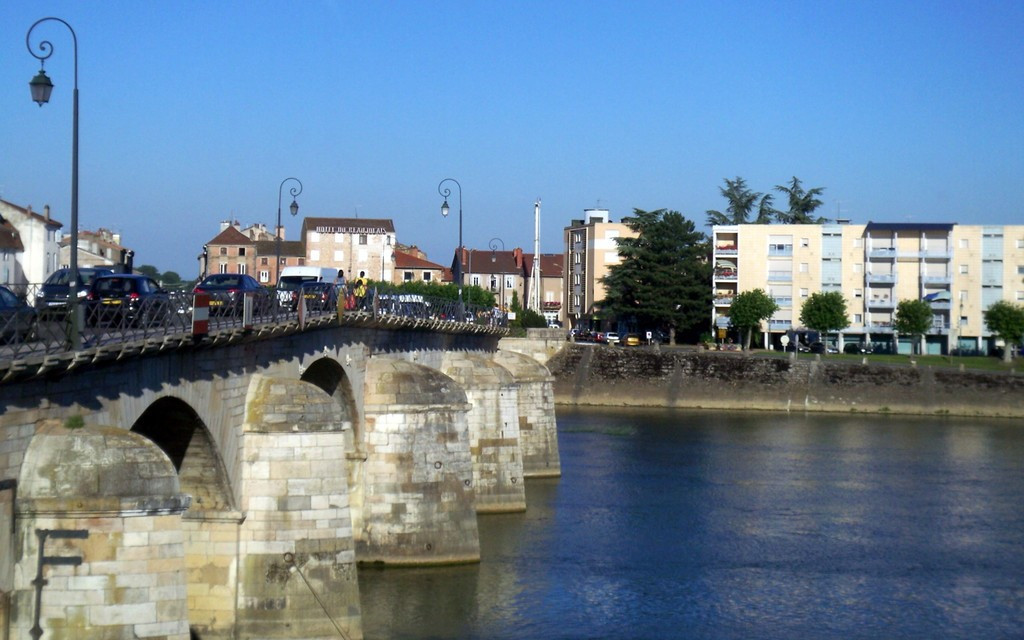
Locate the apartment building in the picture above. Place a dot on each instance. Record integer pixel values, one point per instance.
(353, 245)
(960, 270)
(590, 250)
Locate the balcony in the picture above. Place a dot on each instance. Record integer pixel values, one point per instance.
(880, 303)
(881, 278)
(777, 250)
(933, 279)
(726, 250)
(941, 305)
(780, 276)
(725, 274)
(885, 253)
(723, 301)
(783, 301)
(780, 325)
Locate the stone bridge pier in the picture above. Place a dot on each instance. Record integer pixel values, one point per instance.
(234, 491)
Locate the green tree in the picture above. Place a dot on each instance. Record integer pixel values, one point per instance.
(1006, 320)
(171, 278)
(663, 279)
(148, 270)
(913, 318)
(747, 311)
(825, 312)
(741, 204)
(802, 203)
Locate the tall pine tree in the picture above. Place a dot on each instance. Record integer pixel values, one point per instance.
(664, 278)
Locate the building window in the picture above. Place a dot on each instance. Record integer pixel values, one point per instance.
(963, 243)
(302, 262)
(803, 293)
(576, 301)
(264, 276)
(1020, 244)
(362, 238)
(963, 269)
(427, 276)
(858, 293)
(805, 242)
(339, 255)
(314, 236)
(1020, 296)
(858, 243)
(576, 258)
(858, 267)
(223, 267)
(241, 251)
(510, 282)
(857, 318)
(1020, 270)
(314, 255)
(576, 278)
(475, 281)
(241, 267)
(264, 261)
(577, 237)
(407, 276)
(339, 237)
(803, 267)
(963, 296)
(963, 321)
(223, 251)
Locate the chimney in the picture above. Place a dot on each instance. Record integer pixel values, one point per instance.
(517, 253)
(46, 212)
(224, 224)
(280, 233)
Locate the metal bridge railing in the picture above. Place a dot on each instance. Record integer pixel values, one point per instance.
(44, 328)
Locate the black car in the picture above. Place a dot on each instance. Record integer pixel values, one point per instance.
(52, 297)
(124, 299)
(319, 296)
(227, 292)
(17, 318)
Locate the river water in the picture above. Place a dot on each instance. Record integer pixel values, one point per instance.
(686, 524)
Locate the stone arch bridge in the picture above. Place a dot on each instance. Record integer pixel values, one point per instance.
(231, 490)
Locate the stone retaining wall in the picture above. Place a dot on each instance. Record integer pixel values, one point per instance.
(589, 374)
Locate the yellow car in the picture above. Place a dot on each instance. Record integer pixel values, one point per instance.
(631, 340)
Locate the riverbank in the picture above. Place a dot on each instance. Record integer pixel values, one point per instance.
(595, 375)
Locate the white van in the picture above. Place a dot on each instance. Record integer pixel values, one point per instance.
(292, 279)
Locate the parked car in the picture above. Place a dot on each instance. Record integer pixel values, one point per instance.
(52, 297)
(797, 347)
(227, 292)
(857, 348)
(126, 299)
(611, 338)
(817, 347)
(18, 320)
(631, 340)
(319, 296)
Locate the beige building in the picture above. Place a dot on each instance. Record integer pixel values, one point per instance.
(412, 266)
(353, 245)
(590, 250)
(960, 270)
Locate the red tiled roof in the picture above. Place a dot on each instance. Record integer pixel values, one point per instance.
(10, 239)
(405, 260)
(231, 236)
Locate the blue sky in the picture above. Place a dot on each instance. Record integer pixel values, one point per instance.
(193, 112)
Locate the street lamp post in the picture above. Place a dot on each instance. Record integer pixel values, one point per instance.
(444, 212)
(493, 245)
(41, 88)
(294, 208)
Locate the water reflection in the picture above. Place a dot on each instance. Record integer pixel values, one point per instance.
(711, 525)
